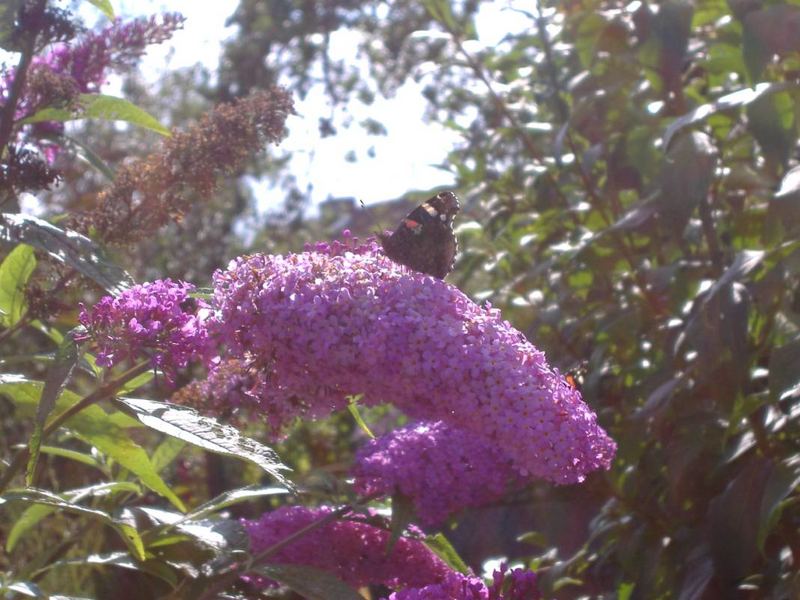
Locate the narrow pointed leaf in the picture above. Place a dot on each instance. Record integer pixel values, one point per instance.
(105, 108)
(309, 582)
(15, 270)
(123, 560)
(95, 427)
(188, 425)
(442, 547)
(67, 247)
(57, 376)
(129, 534)
(104, 6)
(232, 497)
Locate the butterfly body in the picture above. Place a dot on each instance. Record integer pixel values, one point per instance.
(424, 240)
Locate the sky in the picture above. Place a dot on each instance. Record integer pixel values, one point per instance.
(404, 159)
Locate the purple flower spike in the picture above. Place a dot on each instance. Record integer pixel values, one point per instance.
(116, 47)
(515, 585)
(342, 319)
(156, 318)
(351, 549)
(422, 460)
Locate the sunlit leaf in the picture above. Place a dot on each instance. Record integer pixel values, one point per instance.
(35, 513)
(104, 6)
(106, 108)
(95, 427)
(15, 270)
(232, 497)
(67, 247)
(34, 496)
(442, 547)
(123, 560)
(188, 425)
(730, 101)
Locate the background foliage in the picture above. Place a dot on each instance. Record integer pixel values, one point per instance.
(632, 203)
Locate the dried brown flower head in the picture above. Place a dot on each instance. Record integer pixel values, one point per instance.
(148, 192)
(49, 89)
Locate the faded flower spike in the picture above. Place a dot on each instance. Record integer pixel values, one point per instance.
(342, 319)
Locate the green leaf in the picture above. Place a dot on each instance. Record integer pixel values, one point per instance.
(26, 521)
(784, 376)
(106, 108)
(137, 382)
(166, 452)
(67, 247)
(114, 442)
(232, 497)
(730, 101)
(81, 457)
(733, 520)
(402, 516)
(352, 406)
(123, 560)
(31, 495)
(442, 12)
(625, 590)
(188, 425)
(15, 270)
(686, 177)
(442, 547)
(33, 514)
(104, 6)
(783, 480)
(57, 376)
(85, 153)
(95, 427)
(311, 583)
(771, 121)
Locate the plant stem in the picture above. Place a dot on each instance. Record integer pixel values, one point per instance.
(20, 75)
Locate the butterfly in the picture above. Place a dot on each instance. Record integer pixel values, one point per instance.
(576, 376)
(424, 240)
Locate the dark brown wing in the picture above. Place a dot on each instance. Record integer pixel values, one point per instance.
(424, 240)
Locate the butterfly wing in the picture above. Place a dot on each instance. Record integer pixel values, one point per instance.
(424, 240)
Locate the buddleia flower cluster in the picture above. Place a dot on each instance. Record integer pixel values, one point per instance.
(473, 472)
(355, 550)
(342, 319)
(158, 320)
(297, 335)
(358, 552)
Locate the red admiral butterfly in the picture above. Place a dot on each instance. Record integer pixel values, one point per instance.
(424, 240)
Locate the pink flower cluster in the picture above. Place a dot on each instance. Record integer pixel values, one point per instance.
(352, 549)
(157, 319)
(422, 460)
(116, 47)
(343, 319)
(85, 64)
(301, 333)
(514, 585)
(356, 552)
